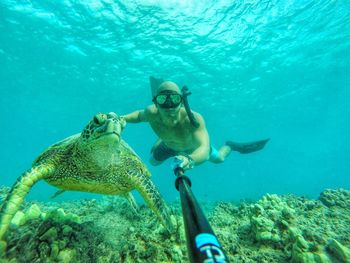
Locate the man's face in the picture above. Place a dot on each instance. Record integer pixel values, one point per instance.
(168, 99)
(168, 103)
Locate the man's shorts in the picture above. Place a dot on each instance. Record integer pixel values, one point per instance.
(162, 152)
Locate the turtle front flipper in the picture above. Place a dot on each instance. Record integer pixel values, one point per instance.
(132, 201)
(18, 192)
(153, 199)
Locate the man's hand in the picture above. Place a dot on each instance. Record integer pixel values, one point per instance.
(185, 162)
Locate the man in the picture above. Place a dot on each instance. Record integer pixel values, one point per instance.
(177, 136)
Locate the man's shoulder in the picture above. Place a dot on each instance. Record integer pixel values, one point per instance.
(198, 116)
(150, 112)
(151, 109)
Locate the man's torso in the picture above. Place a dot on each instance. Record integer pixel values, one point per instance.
(177, 133)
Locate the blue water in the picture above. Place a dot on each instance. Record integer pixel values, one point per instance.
(256, 69)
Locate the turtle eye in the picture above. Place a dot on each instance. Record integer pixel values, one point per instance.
(99, 119)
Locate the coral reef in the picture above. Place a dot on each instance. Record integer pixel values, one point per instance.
(340, 197)
(273, 229)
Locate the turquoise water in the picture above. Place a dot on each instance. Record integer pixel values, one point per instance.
(257, 69)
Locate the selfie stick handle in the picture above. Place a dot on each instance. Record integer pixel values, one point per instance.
(202, 244)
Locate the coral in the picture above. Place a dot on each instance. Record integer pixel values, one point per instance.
(66, 256)
(60, 216)
(264, 229)
(281, 229)
(305, 252)
(269, 218)
(19, 219)
(273, 229)
(339, 197)
(51, 236)
(33, 212)
(339, 251)
(3, 246)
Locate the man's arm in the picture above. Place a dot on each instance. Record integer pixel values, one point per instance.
(134, 117)
(138, 116)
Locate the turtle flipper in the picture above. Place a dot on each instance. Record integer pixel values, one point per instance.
(153, 199)
(247, 147)
(59, 192)
(18, 192)
(132, 201)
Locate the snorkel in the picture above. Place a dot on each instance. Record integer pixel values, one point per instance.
(185, 93)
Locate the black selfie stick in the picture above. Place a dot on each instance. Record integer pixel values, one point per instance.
(202, 244)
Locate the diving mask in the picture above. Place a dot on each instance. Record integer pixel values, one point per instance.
(168, 100)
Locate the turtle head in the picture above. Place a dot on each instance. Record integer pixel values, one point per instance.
(103, 129)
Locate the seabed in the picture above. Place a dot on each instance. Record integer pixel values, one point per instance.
(273, 229)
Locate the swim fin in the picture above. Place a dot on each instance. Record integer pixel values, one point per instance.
(247, 147)
(154, 83)
(57, 194)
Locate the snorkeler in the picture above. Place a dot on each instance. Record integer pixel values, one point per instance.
(182, 133)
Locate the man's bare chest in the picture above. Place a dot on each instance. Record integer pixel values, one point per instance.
(171, 132)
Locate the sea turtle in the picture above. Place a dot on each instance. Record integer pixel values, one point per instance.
(96, 160)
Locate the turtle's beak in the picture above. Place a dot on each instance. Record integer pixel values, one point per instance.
(114, 127)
